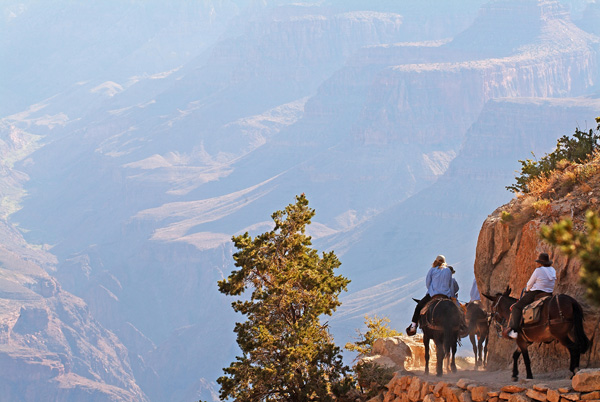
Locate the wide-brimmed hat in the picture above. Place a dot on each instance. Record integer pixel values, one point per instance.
(544, 259)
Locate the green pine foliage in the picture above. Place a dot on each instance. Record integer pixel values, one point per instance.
(574, 149)
(287, 353)
(585, 245)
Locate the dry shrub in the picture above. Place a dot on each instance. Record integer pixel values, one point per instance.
(586, 172)
(372, 378)
(523, 212)
(566, 181)
(540, 185)
(541, 205)
(563, 164)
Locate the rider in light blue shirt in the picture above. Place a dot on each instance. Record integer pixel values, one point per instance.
(439, 281)
(475, 291)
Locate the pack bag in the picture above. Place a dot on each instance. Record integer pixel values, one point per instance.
(532, 313)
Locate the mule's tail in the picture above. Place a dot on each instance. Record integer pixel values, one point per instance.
(450, 336)
(581, 338)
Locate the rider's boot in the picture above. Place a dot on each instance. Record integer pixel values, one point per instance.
(509, 333)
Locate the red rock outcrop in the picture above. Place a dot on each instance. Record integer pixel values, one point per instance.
(411, 388)
(508, 245)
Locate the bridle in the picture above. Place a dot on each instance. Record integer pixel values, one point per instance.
(499, 321)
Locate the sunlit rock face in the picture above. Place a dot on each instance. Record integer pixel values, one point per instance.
(505, 258)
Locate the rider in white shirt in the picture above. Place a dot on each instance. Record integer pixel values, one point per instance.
(542, 281)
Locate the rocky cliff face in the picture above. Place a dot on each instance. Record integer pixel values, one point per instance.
(508, 247)
(51, 346)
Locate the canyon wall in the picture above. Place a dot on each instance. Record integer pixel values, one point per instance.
(505, 257)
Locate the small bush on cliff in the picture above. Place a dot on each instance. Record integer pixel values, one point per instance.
(506, 217)
(541, 205)
(584, 245)
(287, 354)
(573, 149)
(373, 378)
(378, 328)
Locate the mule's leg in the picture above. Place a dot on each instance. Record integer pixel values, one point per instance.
(474, 343)
(448, 351)
(485, 349)
(439, 349)
(480, 341)
(454, 356)
(527, 364)
(573, 352)
(523, 345)
(426, 344)
(515, 374)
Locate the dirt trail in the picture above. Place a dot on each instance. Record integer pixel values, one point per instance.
(498, 379)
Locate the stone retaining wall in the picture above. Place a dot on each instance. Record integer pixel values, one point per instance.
(585, 386)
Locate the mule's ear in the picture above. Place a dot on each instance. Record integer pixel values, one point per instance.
(507, 291)
(489, 297)
(416, 300)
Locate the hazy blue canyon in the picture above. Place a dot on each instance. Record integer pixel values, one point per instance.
(136, 137)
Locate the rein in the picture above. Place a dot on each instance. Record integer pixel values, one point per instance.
(499, 321)
(495, 315)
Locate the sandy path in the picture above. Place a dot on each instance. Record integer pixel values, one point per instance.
(497, 379)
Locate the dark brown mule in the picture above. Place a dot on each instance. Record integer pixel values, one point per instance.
(479, 326)
(561, 319)
(440, 322)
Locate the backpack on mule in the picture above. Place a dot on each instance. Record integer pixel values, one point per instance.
(532, 313)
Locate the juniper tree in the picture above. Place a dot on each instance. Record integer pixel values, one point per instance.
(584, 245)
(574, 149)
(287, 353)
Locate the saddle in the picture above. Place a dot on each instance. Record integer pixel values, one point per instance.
(430, 306)
(433, 302)
(532, 313)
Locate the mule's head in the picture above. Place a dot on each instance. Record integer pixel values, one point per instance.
(498, 295)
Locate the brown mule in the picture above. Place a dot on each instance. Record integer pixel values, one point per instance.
(440, 322)
(479, 327)
(560, 316)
